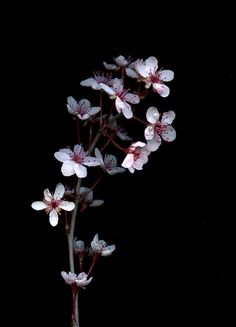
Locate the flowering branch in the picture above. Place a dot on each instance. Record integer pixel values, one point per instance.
(116, 102)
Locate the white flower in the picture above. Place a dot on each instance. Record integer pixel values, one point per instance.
(86, 196)
(79, 246)
(75, 162)
(109, 163)
(124, 64)
(53, 203)
(137, 156)
(82, 109)
(81, 280)
(95, 81)
(151, 76)
(159, 128)
(100, 247)
(121, 96)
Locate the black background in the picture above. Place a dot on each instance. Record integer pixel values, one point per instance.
(173, 223)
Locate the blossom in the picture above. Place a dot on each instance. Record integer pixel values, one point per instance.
(149, 74)
(121, 96)
(100, 247)
(122, 63)
(74, 162)
(86, 197)
(53, 203)
(108, 163)
(95, 81)
(82, 109)
(81, 280)
(137, 156)
(159, 128)
(79, 246)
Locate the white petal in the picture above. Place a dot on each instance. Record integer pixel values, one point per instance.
(98, 155)
(153, 144)
(149, 132)
(94, 110)
(169, 134)
(96, 203)
(59, 191)
(87, 82)
(162, 89)
(67, 205)
(110, 66)
(47, 195)
(115, 171)
(68, 168)
(121, 61)
(138, 144)
(80, 170)
(152, 115)
(107, 89)
(39, 205)
(53, 217)
(128, 161)
(166, 75)
(91, 161)
(141, 68)
(108, 250)
(151, 64)
(168, 117)
(131, 73)
(132, 98)
(63, 155)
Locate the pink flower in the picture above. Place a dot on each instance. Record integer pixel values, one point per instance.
(151, 76)
(121, 96)
(81, 280)
(53, 203)
(100, 247)
(75, 162)
(159, 128)
(137, 156)
(82, 109)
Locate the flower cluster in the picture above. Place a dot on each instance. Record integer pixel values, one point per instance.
(104, 146)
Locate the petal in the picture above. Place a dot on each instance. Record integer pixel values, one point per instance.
(108, 250)
(59, 191)
(107, 89)
(141, 68)
(80, 170)
(87, 82)
(39, 205)
(169, 134)
(124, 107)
(63, 155)
(47, 195)
(98, 155)
(115, 171)
(94, 110)
(132, 98)
(67, 205)
(110, 66)
(154, 144)
(166, 75)
(121, 61)
(168, 117)
(151, 64)
(131, 73)
(96, 203)
(152, 115)
(128, 161)
(53, 217)
(161, 89)
(149, 132)
(138, 144)
(91, 161)
(68, 168)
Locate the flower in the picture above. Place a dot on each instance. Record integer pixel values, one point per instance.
(78, 246)
(159, 128)
(53, 203)
(75, 162)
(82, 109)
(122, 63)
(95, 81)
(137, 156)
(86, 197)
(148, 72)
(81, 280)
(109, 163)
(100, 247)
(121, 96)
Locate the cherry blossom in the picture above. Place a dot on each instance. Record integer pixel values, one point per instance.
(122, 63)
(95, 81)
(147, 69)
(159, 128)
(121, 96)
(81, 280)
(100, 247)
(108, 163)
(53, 203)
(82, 109)
(74, 162)
(86, 197)
(137, 156)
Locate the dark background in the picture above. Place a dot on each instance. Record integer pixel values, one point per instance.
(173, 223)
